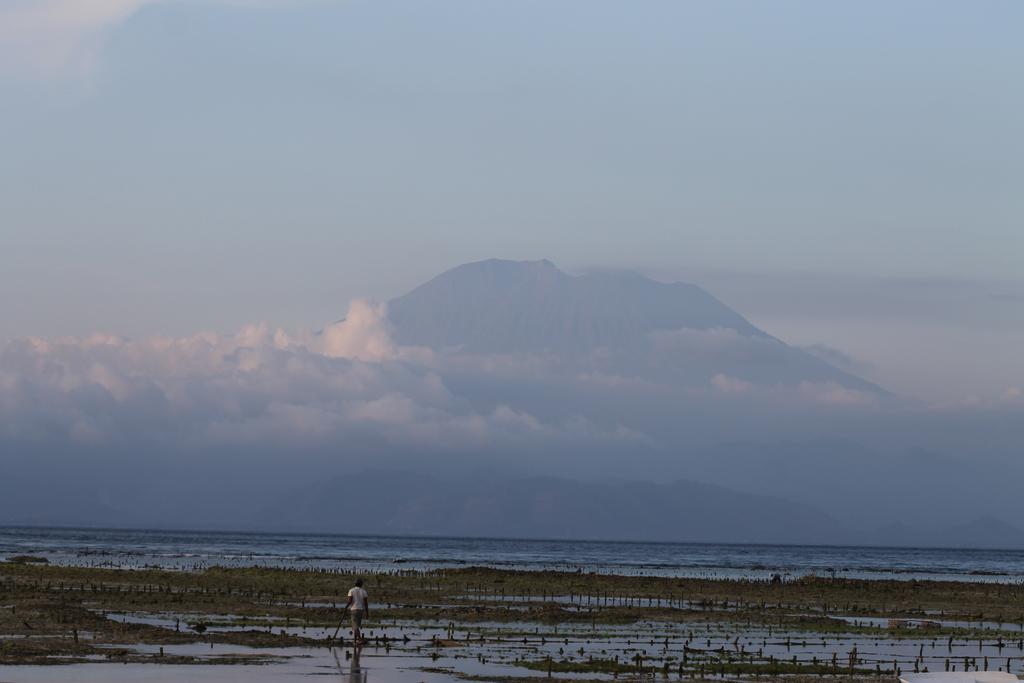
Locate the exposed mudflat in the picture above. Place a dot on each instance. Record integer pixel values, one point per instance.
(61, 623)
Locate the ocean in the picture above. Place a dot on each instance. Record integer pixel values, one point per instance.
(188, 550)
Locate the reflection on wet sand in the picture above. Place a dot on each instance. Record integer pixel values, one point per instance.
(356, 674)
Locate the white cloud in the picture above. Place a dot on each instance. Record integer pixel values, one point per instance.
(730, 385)
(363, 334)
(517, 366)
(1010, 398)
(720, 345)
(611, 380)
(260, 386)
(352, 382)
(46, 38)
(836, 358)
(831, 393)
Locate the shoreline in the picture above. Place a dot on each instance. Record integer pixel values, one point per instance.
(485, 538)
(199, 550)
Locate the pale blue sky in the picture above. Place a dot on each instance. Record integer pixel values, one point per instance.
(182, 165)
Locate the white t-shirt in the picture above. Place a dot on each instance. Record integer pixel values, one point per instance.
(358, 596)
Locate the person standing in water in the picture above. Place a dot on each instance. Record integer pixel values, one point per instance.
(359, 606)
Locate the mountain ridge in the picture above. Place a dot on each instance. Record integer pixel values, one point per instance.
(547, 507)
(499, 306)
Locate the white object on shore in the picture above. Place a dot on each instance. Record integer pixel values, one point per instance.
(960, 677)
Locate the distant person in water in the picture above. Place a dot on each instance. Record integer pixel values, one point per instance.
(359, 605)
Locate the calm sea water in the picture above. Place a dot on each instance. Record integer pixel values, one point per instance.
(191, 550)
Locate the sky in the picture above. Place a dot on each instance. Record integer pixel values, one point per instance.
(847, 175)
(204, 205)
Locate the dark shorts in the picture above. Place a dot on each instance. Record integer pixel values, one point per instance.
(357, 618)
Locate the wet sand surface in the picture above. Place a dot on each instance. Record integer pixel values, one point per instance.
(334, 667)
(60, 623)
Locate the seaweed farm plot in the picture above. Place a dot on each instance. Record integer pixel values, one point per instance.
(254, 624)
(688, 650)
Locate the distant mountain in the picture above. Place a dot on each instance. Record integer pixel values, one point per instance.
(904, 498)
(55, 503)
(527, 306)
(985, 532)
(982, 532)
(639, 326)
(543, 507)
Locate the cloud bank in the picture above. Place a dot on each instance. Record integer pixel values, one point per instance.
(352, 383)
(232, 418)
(262, 385)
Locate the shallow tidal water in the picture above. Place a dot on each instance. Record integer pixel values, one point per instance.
(198, 550)
(434, 651)
(493, 650)
(322, 668)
